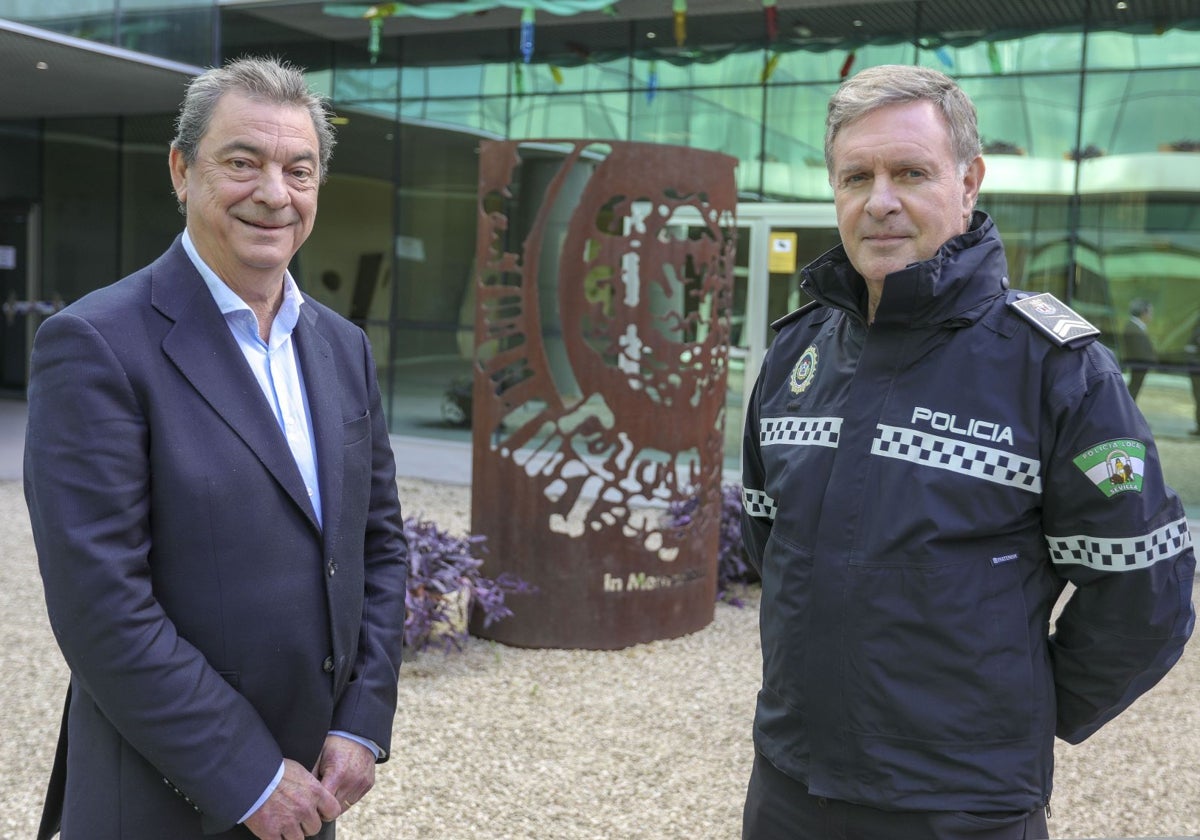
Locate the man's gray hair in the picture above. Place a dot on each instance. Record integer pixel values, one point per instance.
(267, 79)
(892, 84)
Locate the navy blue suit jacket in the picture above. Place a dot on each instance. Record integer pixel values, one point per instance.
(211, 627)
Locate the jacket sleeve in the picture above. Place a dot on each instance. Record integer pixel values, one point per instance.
(87, 485)
(368, 705)
(758, 509)
(1119, 534)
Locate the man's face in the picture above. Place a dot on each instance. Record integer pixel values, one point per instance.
(251, 193)
(896, 187)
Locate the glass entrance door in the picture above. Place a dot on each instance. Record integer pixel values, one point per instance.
(774, 242)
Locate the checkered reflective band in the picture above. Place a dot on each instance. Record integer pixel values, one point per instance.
(799, 431)
(759, 504)
(1121, 554)
(958, 456)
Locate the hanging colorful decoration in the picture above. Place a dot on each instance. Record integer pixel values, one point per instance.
(556, 74)
(943, 56)
(518, 80)
(846, 65)
(652, 82)
(771, 19)
(679, 10)
(527, 33)
(993, 55)
(769, 66)
(375, 38)
(375, 14)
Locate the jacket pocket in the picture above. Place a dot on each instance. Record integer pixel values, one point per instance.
(356, 429)
(941, 654)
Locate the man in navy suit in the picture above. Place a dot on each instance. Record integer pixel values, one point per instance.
(213, 500)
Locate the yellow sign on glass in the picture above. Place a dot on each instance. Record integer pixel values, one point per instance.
(782, 257)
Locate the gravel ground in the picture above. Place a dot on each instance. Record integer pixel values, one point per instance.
(648, 742)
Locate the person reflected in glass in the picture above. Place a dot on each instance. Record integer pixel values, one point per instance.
(1136, 346)
(1193, 361)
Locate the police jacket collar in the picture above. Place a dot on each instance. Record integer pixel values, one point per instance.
(952, 288)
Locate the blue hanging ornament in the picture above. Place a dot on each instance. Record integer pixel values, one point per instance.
(652, 82)
(527, 33)
(944, 56)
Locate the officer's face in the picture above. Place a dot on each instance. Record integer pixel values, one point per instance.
(897, 189)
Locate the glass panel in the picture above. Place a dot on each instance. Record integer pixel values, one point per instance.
(150, 216)
(598, 116)
(1024, 117)
(794, 156)
(81, 193)
(20, 154)
(724, 119)
(1173, 48)
(433, 302)
(1147, 111)
(1145, 256)
(181, 30)
(347, 262)
(184, 34)
(481, 117)
(455, 81)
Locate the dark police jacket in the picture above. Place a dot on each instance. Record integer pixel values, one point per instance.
(918, 493)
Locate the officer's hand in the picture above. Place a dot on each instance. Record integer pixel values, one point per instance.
(296, 808)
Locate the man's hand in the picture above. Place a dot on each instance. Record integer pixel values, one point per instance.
(296, 808)
(347, 769)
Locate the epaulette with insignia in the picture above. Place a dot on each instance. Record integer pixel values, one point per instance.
(1054, 319)
(793, 315)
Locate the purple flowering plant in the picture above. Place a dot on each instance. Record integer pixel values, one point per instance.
(734, 571)
(443, 569)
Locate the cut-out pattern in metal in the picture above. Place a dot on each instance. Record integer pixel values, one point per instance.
(602, 330)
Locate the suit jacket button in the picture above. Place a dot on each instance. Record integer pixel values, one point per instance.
(327, 665)
(332, 568)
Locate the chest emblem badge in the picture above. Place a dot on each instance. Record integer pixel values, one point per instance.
(804, 371)
(1115, 466)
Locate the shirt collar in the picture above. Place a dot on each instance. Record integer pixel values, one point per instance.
(228, 301)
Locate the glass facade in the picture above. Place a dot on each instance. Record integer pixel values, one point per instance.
(1091, 144)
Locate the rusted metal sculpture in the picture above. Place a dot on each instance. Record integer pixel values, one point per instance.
(602, 333)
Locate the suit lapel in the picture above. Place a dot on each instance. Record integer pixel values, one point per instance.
(321, 380)
(206, 353)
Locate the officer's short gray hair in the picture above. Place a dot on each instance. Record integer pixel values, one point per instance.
(268, 79)
(892, 84)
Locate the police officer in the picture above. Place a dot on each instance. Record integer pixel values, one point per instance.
(930, 457)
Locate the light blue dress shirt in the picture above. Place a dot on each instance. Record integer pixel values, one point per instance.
(277, 369)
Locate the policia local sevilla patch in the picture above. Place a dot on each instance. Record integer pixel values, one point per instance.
(1115, 466)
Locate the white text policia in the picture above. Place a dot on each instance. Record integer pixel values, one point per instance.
(980, 429)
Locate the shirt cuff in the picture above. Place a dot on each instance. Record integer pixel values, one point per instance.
(366, 742)
(266, 795)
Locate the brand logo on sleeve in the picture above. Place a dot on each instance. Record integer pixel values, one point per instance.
(804, 371)
(1115, 466)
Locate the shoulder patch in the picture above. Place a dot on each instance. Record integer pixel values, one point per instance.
(794, 315)
(1054, 319)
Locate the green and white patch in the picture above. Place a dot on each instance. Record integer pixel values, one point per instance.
(1115, 466)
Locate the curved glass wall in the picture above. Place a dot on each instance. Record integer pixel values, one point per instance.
(1092, 151)
(1091, 147)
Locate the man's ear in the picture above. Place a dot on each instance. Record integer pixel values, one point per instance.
(178, 174)
(972, 181)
